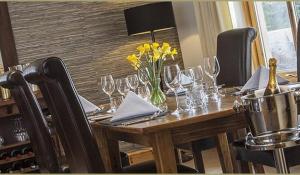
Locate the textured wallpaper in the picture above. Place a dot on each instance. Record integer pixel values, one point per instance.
(90, 37)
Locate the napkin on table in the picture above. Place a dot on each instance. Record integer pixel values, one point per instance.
(133, 106)
(259, 80)
(88, 106)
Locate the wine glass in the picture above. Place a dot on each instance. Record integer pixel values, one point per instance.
(171, 78)
(108, 87)
(212, 70)
(144, 79)
(144, 92)
(133, 81)
(116, 102)
(187, 79)
(199, 83)
(198, 75)
(123, 86)
(143, 76)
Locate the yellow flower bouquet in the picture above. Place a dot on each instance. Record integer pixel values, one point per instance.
(151, 58)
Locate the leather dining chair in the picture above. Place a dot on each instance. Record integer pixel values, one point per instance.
(82, 152)
(234, 55)
(34, 121)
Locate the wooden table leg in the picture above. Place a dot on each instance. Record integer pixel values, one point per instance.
(198, 159)
(109, 150)
(163, 152)
(224, 153)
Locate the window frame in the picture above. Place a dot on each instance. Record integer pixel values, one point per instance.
(251, 17)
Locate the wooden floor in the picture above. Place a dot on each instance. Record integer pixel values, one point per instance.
(212, 165)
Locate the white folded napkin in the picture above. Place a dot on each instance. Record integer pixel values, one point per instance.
(88, 106)
(185, 79)
(133, 106)
(259, 80)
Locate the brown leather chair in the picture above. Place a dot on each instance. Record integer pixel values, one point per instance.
(234, 55)
(34, 121)
(70, 120)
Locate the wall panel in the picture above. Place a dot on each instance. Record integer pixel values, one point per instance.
(90, 37)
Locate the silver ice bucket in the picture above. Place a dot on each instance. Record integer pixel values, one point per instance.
(274, 118)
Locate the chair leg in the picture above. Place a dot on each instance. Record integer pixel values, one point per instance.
(179, 153)
(198, 159)
(244, 167)
(258, 168)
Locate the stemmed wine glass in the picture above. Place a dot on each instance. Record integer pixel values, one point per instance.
(108, 87)
(172, 77)
(143, 76)
(212, 70)
(187, 79)
(144, 79)
(123, 86)
(133, 81)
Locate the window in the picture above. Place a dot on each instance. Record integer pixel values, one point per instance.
(276, 23)
(277, 37)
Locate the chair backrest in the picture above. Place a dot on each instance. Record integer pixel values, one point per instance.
(234, 55)
(34, 120)
(69, 117)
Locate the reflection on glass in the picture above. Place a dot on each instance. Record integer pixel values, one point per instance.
(277, 34)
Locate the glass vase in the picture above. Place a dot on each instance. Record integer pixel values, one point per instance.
(158, 98)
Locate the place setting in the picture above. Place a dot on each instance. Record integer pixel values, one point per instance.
(139, 97)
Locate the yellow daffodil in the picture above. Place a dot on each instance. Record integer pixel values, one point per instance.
(156, 55)
(147, 47)
(166, 49)
(174, 52)
(149, 53)
(155, 45)
(134, 60)
(141, 49)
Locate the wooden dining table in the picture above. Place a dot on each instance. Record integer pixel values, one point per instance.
(164, 133)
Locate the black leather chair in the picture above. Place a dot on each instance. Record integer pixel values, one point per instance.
(265, 157)
(70, 120)
(35, 123)
(234, 55)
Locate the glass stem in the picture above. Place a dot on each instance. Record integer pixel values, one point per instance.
(215, 81)
(110, 100)
(176, 98)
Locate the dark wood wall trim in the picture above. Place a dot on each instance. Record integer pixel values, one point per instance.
(7, 41)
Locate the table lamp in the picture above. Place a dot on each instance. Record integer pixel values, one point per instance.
(149, 18)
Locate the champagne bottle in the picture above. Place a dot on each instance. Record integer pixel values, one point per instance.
(272, 87)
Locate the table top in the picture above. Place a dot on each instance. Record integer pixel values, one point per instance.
(213, 110)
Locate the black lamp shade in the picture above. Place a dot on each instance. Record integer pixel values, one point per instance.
(149, 17)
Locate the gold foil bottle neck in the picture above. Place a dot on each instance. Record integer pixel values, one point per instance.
(272, 62)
